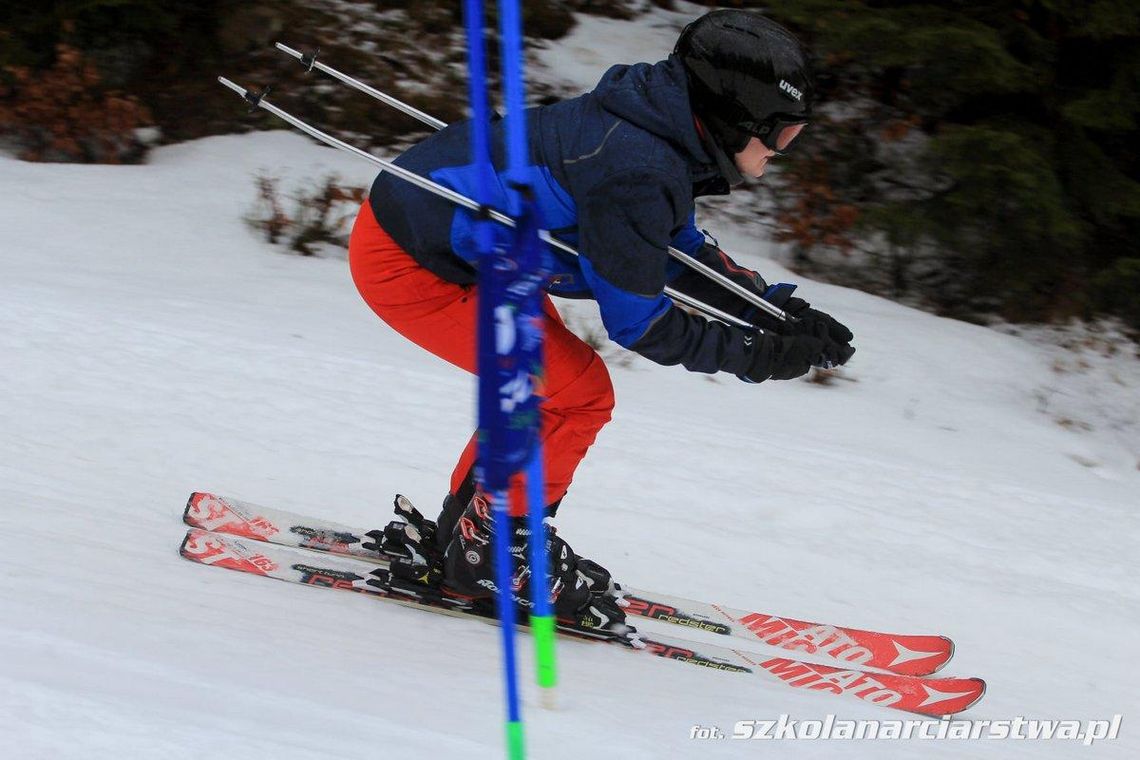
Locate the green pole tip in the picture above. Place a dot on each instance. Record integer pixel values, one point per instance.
(544, 627)
(516, 745)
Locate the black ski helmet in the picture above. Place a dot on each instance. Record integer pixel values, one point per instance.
(748, 77)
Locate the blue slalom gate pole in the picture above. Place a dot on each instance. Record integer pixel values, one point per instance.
(521, 204)
(511, 296)
(511, 281)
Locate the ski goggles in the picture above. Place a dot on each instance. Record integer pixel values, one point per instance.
(777, 131)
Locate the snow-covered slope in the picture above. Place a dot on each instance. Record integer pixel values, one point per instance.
(153, 345)
(954, 479)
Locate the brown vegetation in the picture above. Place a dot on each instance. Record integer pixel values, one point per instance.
(64, 113)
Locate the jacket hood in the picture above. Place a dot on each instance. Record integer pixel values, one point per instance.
(655, 97)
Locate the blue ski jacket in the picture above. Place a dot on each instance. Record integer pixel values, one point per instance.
(615, 173)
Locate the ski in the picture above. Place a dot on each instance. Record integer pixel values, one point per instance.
(923, 695)
(915, 655)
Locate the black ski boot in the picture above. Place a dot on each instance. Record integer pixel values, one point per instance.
(582, 592)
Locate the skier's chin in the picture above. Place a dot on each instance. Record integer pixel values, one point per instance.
(754, 170)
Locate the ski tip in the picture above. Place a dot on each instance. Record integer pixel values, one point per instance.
(548, 698)
(949, 656)
(962, 693)
(980, 684)
(935, 659)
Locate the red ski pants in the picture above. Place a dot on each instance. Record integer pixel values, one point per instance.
(441, 317)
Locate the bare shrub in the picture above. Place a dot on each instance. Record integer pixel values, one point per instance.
(320, 215)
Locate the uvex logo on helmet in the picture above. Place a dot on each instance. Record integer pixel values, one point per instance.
(787, 87)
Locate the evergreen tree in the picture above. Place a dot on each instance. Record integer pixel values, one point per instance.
(983, 153)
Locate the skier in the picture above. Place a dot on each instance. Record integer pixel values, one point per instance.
(615, 173)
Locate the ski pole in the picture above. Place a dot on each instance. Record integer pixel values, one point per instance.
(310, 61)
(258, 100)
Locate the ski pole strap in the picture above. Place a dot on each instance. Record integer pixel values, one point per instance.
(254, 98)
(309, 60)
(778, 293)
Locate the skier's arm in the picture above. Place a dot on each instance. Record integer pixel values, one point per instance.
(809, 321)
(700, 287)
(624, 261)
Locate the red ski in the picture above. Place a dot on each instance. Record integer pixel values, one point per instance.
(903, 654)
(924, 695)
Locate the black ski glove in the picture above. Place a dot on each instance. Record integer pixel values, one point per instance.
(806, 321)
(809, 321)
(784, 357)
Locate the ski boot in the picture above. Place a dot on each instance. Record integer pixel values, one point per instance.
(583, 594)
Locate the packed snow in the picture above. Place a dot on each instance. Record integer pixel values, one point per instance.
(952, 479)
